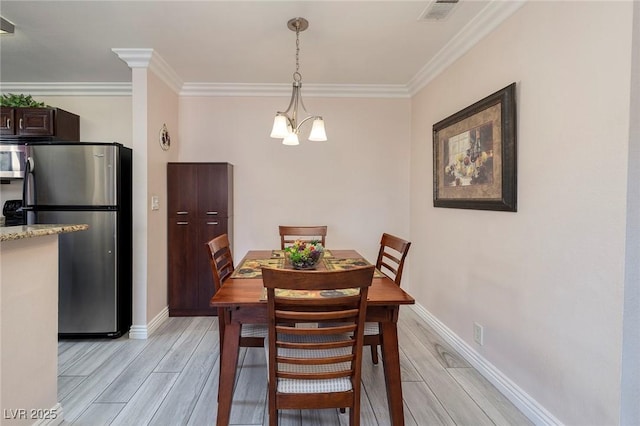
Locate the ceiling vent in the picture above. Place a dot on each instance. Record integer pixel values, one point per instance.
(438, 10)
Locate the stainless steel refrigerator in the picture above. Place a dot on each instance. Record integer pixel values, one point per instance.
(77, 183)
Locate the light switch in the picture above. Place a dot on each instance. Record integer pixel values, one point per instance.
(155, 202)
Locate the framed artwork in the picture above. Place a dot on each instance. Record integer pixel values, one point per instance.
(474, 155)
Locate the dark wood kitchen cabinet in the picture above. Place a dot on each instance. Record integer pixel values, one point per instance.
(38, 122)
(200, 207)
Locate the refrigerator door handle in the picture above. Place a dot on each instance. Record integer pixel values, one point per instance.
(28, 186)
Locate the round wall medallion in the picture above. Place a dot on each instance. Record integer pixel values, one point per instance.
(165, 139)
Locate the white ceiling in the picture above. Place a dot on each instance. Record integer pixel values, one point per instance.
(348, 42)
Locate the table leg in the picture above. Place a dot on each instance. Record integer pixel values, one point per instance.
(391, 362)
(228, 365)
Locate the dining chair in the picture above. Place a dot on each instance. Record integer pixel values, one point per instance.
(314, 347)
(289, 234)
(251, 335)
(391, 256)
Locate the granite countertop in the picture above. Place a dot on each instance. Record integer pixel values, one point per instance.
(10, 233)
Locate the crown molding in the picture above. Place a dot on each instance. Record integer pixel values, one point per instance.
(149, 58)
(485, 22)
(211, 89)
(133, 57)
(311, 90)
(68, 89)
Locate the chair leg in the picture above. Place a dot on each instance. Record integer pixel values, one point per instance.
(221, 314)
(273, 411)
(374, 353)
(354, 416)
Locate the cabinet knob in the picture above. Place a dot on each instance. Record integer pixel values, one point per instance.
(182, 223)
(20, 123)
(212, 213)
(182, 212)
(8, 123)
(212, 223)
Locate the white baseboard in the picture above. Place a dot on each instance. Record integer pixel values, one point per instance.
(158, 319)
(525, 403)
(142, 332)
(57, 409)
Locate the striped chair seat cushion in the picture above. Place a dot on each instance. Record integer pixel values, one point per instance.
(342, 384)
(371, 328)
(254, 330)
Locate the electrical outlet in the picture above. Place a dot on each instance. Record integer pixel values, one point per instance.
(478, 333)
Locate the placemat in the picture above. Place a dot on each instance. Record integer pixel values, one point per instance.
(306, 294)
(252, 268)
(335, 263)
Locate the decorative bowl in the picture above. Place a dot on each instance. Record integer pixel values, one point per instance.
(304, 255)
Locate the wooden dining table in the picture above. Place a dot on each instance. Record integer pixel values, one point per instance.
(242, 297)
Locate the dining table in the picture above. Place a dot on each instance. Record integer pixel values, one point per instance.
(243, 299)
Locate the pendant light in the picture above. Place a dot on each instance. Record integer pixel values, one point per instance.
(285, 124)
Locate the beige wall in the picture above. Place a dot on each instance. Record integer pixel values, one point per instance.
(357, 182)
(545, 282)
(162, 109)
(630, 411)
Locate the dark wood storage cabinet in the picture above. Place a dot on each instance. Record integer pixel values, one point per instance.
(52, 122)
(200, 207)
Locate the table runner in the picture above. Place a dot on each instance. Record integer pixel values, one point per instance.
(252, 268)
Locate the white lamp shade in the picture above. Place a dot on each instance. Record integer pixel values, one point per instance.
(291, 139)
(280, 127)
(317, 131)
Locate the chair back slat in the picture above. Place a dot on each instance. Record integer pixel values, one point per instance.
(391, 256)
(289, 234)
(220, 259)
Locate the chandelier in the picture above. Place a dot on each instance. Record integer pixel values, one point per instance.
(286, 124)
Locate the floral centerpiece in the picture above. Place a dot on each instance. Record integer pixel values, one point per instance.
(304, 255)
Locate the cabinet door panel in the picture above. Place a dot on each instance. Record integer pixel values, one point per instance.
(183, 277)
(182, 190)
(213, 189)
(35, 122)
(7, 121)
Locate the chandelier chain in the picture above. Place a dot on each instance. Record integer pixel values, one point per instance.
(296, 75)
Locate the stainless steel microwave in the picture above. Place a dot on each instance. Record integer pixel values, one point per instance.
(12, 161)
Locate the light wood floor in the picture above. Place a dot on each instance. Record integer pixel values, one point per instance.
(171, 379)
